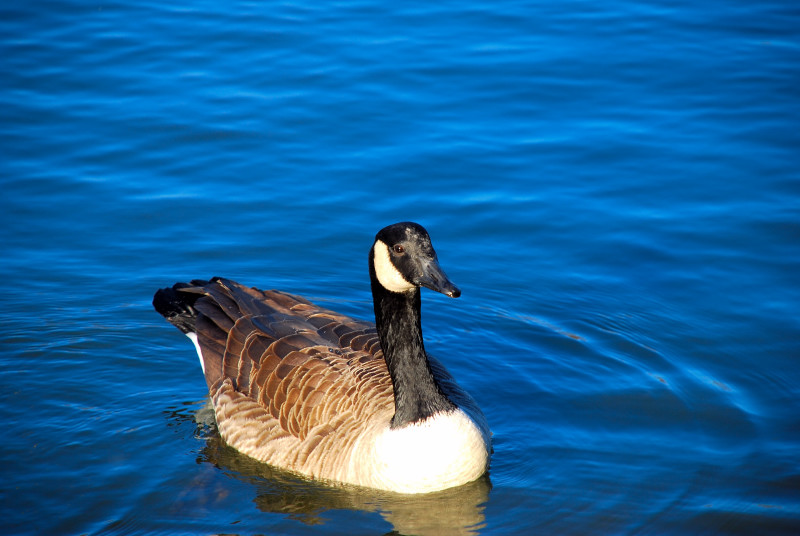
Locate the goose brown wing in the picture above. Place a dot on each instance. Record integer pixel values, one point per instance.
(303, 364)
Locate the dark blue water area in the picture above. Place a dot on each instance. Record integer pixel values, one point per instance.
(615, 188)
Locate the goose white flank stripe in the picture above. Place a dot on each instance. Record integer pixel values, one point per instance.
(312, 391)
(193, 338)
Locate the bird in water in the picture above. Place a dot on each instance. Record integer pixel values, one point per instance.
(340, 400)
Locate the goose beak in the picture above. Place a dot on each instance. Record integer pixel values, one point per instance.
(434, 278)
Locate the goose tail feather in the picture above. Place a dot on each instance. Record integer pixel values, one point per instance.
(178, 307)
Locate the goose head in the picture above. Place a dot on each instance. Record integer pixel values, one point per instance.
(402, 259)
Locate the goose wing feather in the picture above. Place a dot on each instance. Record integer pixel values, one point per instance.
(293, 384)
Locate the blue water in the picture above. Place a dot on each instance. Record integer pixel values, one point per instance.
(615, 188)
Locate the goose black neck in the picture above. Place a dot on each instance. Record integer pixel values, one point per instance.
(417, 395)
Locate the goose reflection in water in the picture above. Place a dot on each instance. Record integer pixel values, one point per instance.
(456, 511)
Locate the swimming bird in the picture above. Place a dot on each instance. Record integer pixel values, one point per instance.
(340, 400)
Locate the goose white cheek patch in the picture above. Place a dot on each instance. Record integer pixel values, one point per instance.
(387, 274)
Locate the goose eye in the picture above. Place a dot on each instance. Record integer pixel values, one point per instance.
(399, 249)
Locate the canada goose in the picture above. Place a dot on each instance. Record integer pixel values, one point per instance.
(309, 390)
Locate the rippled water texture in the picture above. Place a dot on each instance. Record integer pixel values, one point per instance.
(613, 186)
